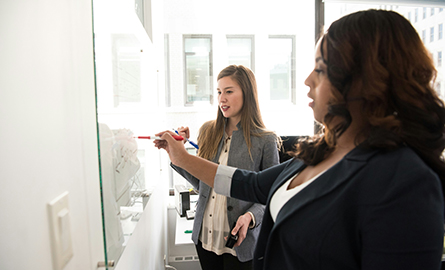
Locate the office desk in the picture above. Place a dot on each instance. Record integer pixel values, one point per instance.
(181, 249)
(183, 225)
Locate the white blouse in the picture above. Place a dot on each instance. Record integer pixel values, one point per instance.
(283, 195)
(215, 224)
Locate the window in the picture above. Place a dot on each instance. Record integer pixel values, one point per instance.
(240, 51)
(198, 69)
(438, 84)
(281, 68)
(167, 71)
(439, 59)
(432, 34)
(342, 7)
(192, 70)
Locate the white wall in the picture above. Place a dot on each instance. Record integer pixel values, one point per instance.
(48, 131)
(48, 140)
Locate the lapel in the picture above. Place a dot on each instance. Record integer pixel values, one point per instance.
(294, 166)
(341, 172)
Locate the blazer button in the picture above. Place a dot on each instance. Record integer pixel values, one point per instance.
(230, 208)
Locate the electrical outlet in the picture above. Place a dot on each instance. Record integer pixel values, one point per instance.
(59, 217)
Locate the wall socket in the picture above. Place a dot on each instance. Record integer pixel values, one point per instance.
(59, 220)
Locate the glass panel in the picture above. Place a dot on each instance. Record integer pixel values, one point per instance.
(239, 50)
(425, 23)
(208, 19)
(431, 34)
(198, 62)
(280, 68)
(439, 59)
(233, 42)
(124, 77)
(167, 71)
(440, 33)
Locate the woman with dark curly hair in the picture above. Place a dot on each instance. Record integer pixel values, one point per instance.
(366, 193)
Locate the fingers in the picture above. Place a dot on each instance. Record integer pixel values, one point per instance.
(165, 135)
(168, 136)
(162, 144)
(174, 148)
(163, 132)
(184, 132)
(242, 224)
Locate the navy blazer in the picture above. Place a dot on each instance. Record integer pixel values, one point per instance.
(372, 210)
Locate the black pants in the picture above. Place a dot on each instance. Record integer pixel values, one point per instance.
(211, 261)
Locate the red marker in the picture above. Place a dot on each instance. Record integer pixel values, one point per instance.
(176, 137)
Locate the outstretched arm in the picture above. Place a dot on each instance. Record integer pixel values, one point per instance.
(201, 168)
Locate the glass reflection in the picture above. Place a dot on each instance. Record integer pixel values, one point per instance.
(122, 51)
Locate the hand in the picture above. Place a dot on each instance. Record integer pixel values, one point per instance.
(184, 132)
(241, 227)
(174, 148)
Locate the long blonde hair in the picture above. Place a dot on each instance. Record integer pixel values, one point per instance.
(211, 133)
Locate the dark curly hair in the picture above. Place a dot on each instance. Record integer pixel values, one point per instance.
(378, 56)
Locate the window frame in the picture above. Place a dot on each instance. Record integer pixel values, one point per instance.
(252, 47)
(292, 98)
(167, 85)
(432, 34)
(197, 36)
(439, 58)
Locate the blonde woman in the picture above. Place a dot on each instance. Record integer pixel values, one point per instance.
(236, 138)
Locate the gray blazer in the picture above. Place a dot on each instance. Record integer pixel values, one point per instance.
(265, 154)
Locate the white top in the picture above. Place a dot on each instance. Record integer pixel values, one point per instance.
(215, 224)
(283, 195)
